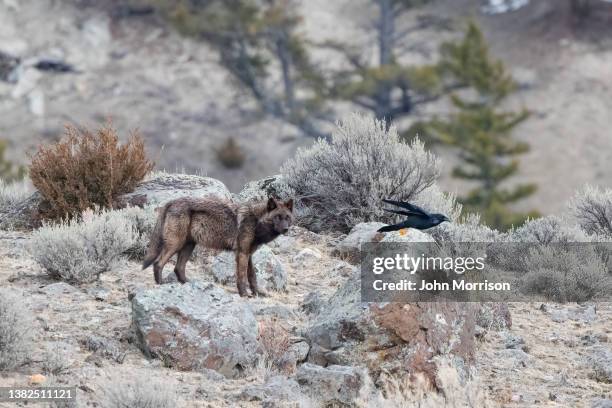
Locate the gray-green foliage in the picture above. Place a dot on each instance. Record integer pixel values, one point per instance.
(342, 181)
(592, 207)
(16, 330)
(139, 392)
(79, 251)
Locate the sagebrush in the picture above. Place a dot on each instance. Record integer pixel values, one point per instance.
(139, 392)
(88, 169)
(78, 251)
(593, 209)
(342, 181)
(12, 193)
(16, 330)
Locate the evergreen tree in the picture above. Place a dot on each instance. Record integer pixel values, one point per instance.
(387, 87)
(255, 39)
(481, 130)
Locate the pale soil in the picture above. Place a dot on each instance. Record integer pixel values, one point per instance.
(556, 362)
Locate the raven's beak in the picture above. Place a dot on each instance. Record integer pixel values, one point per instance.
(446, 219)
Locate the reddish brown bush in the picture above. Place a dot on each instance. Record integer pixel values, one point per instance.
(87, 169)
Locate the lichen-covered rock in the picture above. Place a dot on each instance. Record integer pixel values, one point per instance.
(195, 326)
(271, 275)
(349, 247)
(365, 232)
(333, 385)
(163, 187)
(276, 390)
(307, 256)
(494, 316)
(392, 337)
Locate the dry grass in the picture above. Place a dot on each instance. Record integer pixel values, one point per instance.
(274, 340)
(87, 169)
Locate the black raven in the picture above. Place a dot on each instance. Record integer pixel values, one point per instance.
(416, 217)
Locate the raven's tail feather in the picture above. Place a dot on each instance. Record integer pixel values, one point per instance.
(389, 228)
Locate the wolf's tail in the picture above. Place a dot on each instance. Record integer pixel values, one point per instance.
(157, 239)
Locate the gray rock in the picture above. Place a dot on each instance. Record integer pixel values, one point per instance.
(196, 326)
(343, 268)
(271, 275)
(105, 347)
(59, 288)
(413, 335)
(333, 384)
(601, 403)
(164, 187)
(513, 341)
(601, 360)
(365, 232)
(99, 293)
(312, 303)
(283, 244)
(276, 389)
(307, 256)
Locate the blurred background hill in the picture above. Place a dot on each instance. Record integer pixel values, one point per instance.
(85, 61)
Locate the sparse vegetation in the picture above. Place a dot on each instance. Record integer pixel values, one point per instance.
(13, 193)
(88, 169)
(78, 251)
(9, 171)
(343, 181)
(16, 330)
(593, 209)
(274, 341)
(140, 392)
(231, 154)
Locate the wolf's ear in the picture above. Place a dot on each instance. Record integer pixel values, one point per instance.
(271, 204)
(289, 204)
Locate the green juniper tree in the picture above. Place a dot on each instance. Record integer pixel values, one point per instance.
(482, 131)
(387, 87)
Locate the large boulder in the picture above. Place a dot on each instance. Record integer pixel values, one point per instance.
(271, 275)
(164, 187)
(392, 337)
(196, 326)
(334, 385)
(365, 232)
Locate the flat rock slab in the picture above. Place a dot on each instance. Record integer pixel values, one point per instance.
(196, 326)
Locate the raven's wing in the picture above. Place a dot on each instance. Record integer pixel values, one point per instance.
(400, 212)
(410, 207)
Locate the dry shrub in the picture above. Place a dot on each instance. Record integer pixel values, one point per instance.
(88, 169)
(231, 154)
(141, 391)
(592, 207)
(274, 340)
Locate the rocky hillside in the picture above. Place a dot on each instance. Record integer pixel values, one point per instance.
(142, 74)
(309, 343)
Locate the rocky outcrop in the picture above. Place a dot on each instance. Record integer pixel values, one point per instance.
(392, 337)
(195, 326)
(333, 385)
(164, 187)
(271, 275)
(365, 232)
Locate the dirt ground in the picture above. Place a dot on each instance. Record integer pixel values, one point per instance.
(550, 367)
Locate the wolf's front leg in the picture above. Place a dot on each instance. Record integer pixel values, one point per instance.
(242, 265)
(252, 278)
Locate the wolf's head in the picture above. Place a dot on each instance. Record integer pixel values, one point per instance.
(280, 215)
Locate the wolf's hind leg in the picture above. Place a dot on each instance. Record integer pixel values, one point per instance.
(164, 257)
(181, 262)
(252, 278)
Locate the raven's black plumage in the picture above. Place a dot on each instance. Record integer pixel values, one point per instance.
(416, 217)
